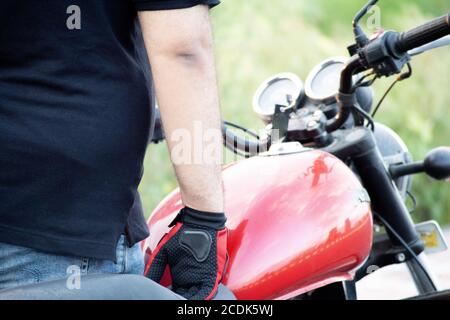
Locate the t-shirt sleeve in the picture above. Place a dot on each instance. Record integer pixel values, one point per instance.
(148, 5)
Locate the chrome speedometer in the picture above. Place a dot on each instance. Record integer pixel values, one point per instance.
(281, 89)
(322, 83)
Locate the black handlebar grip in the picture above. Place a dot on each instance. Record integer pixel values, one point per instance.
(426, 33)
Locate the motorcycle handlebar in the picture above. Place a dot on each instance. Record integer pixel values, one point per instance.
(424, 34)
(345, 98)
(236, 142)
(414, 38)
(230, 139)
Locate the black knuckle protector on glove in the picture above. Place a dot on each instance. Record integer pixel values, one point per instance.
(197, 242)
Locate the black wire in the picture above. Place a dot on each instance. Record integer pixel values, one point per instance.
(367, 83)
(367, 116)
(360, 114)
(408, 248)
(414, 200)
(357, 117)
(384, 97)
(401, 77)
(236, 152)
(241, 128)
(233, 148)
(358, 83)
(362, 83)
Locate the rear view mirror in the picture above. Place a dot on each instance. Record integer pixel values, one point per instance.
(437, 163)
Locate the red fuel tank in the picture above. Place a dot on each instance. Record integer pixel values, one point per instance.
(297, 222)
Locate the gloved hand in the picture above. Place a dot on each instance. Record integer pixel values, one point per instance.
(195, 250)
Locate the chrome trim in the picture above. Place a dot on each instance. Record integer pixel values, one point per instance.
(266, 84)
(284, 148)
(312, 75)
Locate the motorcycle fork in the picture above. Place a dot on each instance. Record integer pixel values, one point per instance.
(388, 204)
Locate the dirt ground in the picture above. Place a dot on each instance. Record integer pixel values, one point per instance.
(394, 282)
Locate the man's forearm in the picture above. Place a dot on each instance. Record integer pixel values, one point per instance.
(187, 95)
(186, 86)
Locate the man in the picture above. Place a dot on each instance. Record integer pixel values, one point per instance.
(74, 122)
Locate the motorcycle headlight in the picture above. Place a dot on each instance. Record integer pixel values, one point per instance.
(279, 89)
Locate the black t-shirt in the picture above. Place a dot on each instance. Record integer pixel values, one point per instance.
(75, 113)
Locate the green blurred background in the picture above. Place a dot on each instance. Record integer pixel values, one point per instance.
(258, 38)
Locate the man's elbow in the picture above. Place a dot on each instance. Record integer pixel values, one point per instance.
(193, 52)
(197, 54)
(194, 58)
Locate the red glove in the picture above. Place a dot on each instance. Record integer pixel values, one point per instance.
(195, 250)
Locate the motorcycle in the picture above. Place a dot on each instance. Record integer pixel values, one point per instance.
(303, 206)
(318, 203)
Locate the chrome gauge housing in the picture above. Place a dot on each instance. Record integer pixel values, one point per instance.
(282, 89)
(322, 84)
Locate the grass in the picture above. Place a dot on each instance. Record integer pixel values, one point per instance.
(258, 38)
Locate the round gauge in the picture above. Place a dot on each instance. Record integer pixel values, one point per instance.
(322, 83)
(281, 89)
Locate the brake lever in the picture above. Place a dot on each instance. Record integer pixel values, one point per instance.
(442, 42)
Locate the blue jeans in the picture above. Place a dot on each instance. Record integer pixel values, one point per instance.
(22, 266)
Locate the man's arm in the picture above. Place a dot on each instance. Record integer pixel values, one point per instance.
(180, 48)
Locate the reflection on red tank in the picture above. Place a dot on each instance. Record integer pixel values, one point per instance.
(297, 222)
